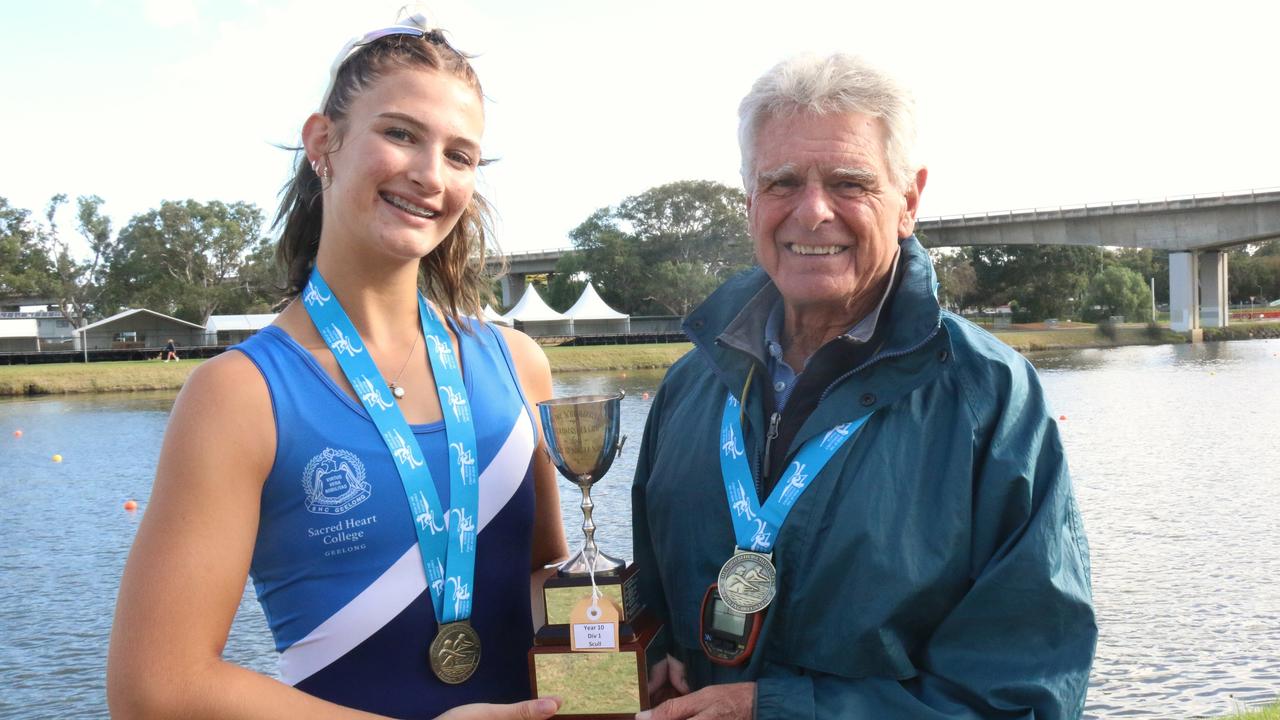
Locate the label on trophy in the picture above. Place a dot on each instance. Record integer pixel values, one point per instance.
(594, 625)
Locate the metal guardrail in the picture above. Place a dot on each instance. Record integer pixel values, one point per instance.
(38, 315)
(1142, 205)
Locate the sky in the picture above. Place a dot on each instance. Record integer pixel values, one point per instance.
(588, 102)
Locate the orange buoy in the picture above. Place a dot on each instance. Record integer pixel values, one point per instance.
(57, 458)
(1062, 417)
(17, 433)
(130, 505)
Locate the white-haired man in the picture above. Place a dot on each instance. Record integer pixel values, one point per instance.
(848, 502)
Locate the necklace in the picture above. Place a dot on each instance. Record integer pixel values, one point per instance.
(395, 388)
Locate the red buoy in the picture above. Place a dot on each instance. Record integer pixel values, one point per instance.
(130, 505)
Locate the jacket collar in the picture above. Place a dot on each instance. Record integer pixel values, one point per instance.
(728, 327)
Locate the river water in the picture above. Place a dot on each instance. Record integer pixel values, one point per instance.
(1173, 452)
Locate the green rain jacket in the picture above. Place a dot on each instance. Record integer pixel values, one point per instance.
(936, 568)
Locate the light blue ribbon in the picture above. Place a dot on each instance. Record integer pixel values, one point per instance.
(756, 528)
(446, 537)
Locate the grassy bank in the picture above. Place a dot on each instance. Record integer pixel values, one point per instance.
(615, 357)
(1087, 337)
(94, 377)
(155, 375)
(1270, 712)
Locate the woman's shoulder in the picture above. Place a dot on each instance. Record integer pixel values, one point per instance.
(229, 381)
(525, 351)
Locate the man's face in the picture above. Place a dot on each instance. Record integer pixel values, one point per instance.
(825, 213)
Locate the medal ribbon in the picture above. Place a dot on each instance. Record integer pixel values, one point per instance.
(754, 527)
(446, 537)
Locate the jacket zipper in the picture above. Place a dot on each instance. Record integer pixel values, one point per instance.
(768, 451)
(878, 358)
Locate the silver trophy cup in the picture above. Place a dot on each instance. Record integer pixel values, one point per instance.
(583, 438)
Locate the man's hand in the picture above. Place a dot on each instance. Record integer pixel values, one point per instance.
(667, 680)
(536, 709)
(718, 702)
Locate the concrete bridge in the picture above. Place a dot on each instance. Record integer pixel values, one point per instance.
(519, 265)
(1195, 229)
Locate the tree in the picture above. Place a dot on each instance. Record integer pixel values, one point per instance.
(957, 280)
(1045, 280)
(1255, 275)
(1119, 291)
(25, 268)
(78, 285)
(665, 249)
(188, 259)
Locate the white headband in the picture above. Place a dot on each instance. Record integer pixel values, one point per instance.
(415, 25)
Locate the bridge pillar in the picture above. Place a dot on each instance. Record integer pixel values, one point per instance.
(1184, 291)
(512, 288)
(1214, 308)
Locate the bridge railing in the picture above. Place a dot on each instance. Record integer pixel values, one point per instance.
(1171, 202)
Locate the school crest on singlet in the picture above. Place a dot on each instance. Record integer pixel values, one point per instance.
(334, 482)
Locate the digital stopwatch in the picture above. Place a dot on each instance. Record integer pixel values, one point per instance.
(728, 637)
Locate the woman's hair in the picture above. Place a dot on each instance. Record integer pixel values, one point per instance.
(453, 274)
(824, 85)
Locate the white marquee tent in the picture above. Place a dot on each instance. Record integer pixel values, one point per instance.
(535, 317)
(591, 315)
(493, 316)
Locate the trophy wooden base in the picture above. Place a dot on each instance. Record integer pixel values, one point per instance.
(560, 594)
(597, 685)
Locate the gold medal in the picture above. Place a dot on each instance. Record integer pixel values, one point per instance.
(747, 582)
(455, 653)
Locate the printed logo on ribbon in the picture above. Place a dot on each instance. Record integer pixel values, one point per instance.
(424, 516)
(729, 444)
(795, 483)
(338, 342)
(741, 505)
(369, 393)
(836, 435)
(400, 450)
(334, 482)
(311, 296)
(457, 403)
(444, 353)
(461, 596)
(466, 462)
(435, 576)
(762, 540)
(466, 529)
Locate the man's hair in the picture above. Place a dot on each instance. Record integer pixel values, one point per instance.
(825, 85)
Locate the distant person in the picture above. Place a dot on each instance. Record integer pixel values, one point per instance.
(170, 351)
(371, 458)
(883, 502)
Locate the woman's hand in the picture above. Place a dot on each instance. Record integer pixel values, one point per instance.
(537, 709)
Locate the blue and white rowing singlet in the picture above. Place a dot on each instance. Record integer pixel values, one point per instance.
(337, 566)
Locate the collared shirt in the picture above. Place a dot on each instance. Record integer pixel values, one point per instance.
(783, 376)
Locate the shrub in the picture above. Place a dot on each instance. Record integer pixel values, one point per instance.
(1107, 329)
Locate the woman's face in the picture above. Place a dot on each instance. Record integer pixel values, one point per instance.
(405, 166)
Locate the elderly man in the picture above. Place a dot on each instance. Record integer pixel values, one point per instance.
(848, 502)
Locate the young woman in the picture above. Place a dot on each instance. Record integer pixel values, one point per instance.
(369, 459)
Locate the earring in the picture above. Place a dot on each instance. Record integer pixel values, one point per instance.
(320, 169)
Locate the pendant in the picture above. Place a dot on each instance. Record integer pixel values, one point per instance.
(747, 582)
(397, 391)
(455, 653)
